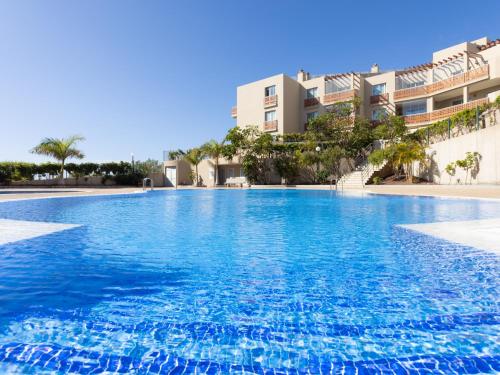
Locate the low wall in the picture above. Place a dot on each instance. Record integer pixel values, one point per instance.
(159, 179)
(484, 141)
(82, 181)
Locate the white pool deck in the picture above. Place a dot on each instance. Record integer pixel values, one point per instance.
(480, 234)
(18, 230)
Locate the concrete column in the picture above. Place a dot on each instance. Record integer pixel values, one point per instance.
(430, 104)
(465, 94)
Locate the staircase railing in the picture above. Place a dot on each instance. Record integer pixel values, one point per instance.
(361, 165)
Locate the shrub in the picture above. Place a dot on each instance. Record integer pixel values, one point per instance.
(133, 179)
(377, 180)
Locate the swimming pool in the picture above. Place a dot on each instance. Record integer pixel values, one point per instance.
(247, 281)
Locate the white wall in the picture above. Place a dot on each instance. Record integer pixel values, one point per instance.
(485, 141)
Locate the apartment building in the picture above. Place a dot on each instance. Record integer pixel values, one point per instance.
(458, 77)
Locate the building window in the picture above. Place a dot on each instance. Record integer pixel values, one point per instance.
(339, 108)
(311, 116)
(312, 93)
(414, 108)
(270, 91)
(378, 89)
(409, 84)
(379, 113)
(457, 101)
(270, 116)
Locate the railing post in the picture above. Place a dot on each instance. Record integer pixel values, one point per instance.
(477, 117)
(449, 128)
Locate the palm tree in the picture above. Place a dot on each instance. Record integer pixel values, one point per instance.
(194, 157)
(214, 150)
(60, 149)
(405, 154)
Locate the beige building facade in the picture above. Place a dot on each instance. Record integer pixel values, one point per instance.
(458, 77)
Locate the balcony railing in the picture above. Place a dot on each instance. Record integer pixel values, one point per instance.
(443, 113)
(270, 101)
(234, 112)
(310, 102)
(271, 126)
(378, 99)
(448, 83)
(341, 96)
(417, 119)
(411, 92)
(449, 111)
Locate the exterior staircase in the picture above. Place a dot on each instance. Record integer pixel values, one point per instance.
(358, 178)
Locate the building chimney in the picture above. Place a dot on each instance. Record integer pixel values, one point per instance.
(302, 75)
(374, 69)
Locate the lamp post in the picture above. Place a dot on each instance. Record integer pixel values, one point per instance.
(318, 149)
(132, 155)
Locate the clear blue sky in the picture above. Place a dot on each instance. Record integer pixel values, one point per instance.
(146, 76)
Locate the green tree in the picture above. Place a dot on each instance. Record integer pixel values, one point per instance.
(89, 169)
(194, 157)
(256, 157)
(287, 166)
(470, 162)
(404, 155)
(392, 129)
(451, 169)
(331, 159)
(309, 162)
(401, 155)
(176, 154)
(60, 149)
(148, 167)
(214, 150)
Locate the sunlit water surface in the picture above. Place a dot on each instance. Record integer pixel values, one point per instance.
(247, 281)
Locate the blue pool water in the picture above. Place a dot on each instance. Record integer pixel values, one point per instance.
(247, 282)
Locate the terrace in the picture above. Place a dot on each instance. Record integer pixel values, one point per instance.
(341, 87)
(271, 126)
(443, 113)
(448, 83)
(270, 101)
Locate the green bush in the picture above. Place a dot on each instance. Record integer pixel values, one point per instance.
(16, 171)
(121, 172)
(377, 180)
(132, 179)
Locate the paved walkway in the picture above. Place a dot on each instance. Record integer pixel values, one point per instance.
(36, 193)
(459, 191)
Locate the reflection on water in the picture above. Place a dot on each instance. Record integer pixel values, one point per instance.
(257, 280)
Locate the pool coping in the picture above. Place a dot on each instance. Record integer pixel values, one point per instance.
(95, 193)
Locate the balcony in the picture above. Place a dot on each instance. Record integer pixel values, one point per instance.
(270, 101)
(311, 102)
(341, 96)
(443, 113)
(379, 99)
(271, 126)
(234, 112)
(445, 84)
